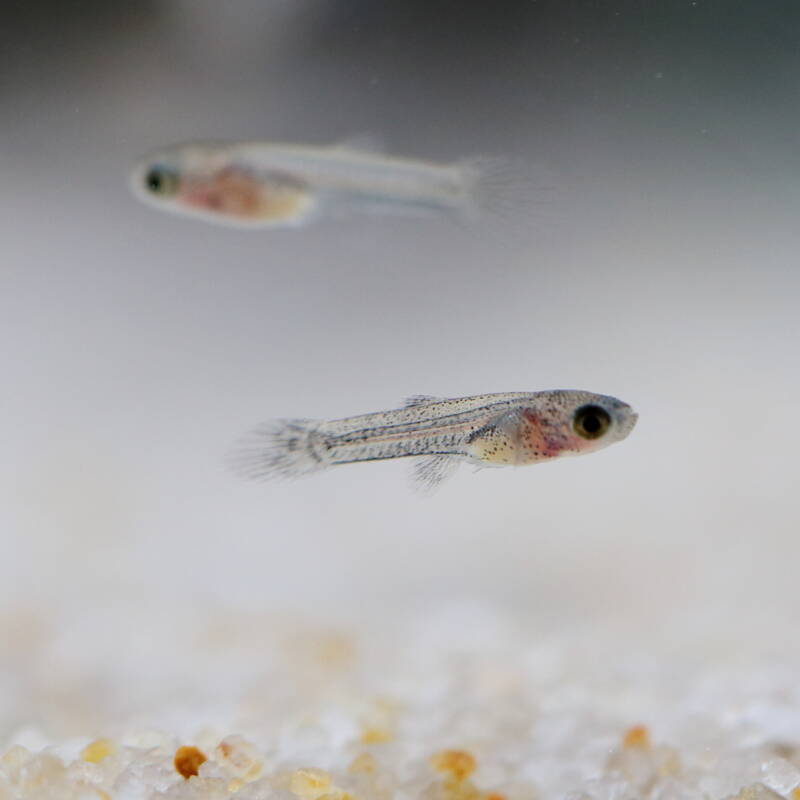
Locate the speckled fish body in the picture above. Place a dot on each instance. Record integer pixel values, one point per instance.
(509, 429)
(263, 185)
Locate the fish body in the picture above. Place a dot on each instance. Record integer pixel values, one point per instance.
(510, 429)
(271, 185)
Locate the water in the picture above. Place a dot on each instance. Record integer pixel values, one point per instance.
(138, 347)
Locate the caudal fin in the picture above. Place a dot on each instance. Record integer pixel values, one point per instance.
(278, 450)
(508, 195)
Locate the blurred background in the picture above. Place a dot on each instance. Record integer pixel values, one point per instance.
(137, 347)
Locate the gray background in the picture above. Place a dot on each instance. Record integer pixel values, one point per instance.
(661, 268)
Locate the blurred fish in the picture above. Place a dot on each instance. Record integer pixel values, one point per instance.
(263, 185)
(487, 430)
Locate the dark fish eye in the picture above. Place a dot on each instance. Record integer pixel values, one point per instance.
(591, 422)
(162, 181)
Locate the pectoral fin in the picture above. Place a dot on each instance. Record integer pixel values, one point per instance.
(496, 444)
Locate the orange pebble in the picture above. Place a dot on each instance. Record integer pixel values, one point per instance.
(458, 763)
(796, 793)
(96, 751)
(188, 760)
(375, 736)
(310, 783)
(637, 736)
(363, 762)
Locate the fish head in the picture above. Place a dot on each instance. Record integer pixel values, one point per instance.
(214, 182)
(569, 422)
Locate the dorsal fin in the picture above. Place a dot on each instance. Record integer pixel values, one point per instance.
(361, 143)
(419, 400)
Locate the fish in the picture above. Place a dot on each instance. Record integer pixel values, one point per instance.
(259, 185)
(488, 430)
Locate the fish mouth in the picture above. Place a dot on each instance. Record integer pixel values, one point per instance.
(627, 420)
(137, 183)
(136, 176)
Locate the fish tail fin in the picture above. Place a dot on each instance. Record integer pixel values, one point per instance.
(502, 192)
(279, 450)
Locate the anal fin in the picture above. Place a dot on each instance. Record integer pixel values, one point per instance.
(430, 471)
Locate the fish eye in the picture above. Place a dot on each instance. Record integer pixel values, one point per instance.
(591, 422)
(162, 181)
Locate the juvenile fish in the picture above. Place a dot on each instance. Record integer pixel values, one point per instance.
(487, 430)
(265, 185)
